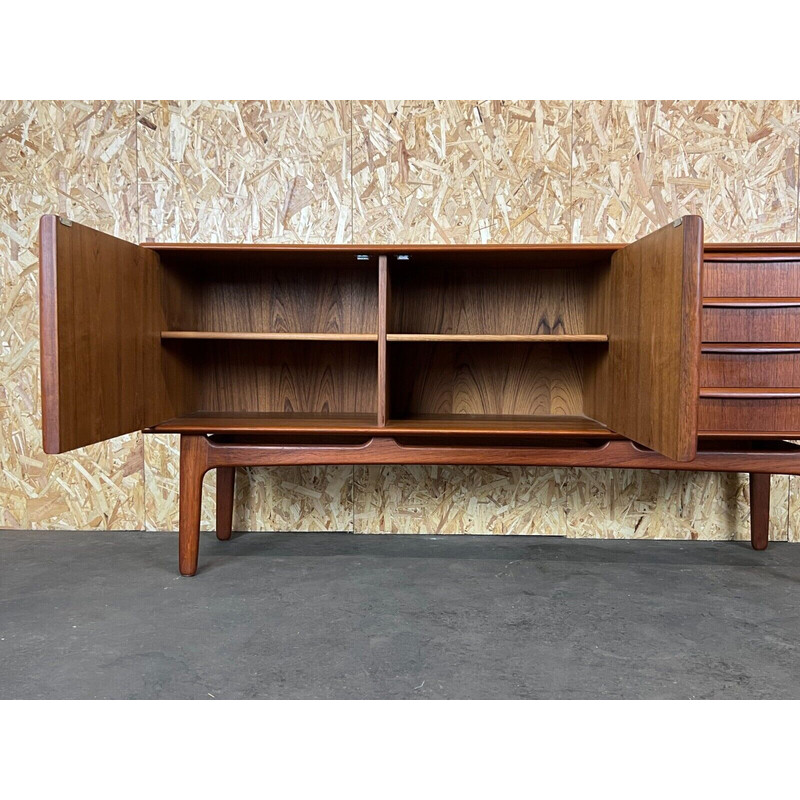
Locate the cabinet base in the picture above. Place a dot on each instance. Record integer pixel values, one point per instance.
(200, 453)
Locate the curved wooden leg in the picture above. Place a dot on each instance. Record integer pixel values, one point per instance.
(193, 469)
(759, 510)
(226, 479)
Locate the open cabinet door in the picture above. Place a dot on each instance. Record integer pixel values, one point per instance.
(100, 324)
(645, 386)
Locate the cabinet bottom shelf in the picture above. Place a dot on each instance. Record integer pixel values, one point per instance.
(498, 425)
(245, 423)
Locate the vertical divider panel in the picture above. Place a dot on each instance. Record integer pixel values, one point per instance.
(384, 300)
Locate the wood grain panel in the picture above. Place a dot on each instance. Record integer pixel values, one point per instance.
(751, 278)
(749, 394)
(501, 338)
(250, 336)
(478, 379)
(779, 457)
(767, 324)
(253, 291)
(645, 384)
(255, 423)
(283, 377)
(322, 426)
(751, 302)
(100, 324)
(751, 251)
(384, 304)
(750, 366)
(498, 300)
(746, 414)
(540, 256)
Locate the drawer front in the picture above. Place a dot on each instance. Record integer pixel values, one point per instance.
(759, 415)
(751, 278)
(769, 323)
(746, 367)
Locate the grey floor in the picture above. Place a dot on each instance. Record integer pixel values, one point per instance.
(105, 615)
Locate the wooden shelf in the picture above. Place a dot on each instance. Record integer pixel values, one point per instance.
(433, 425)
(496, 425)
(751, 302)
(269, 336)
(552, 338)
(256, 423)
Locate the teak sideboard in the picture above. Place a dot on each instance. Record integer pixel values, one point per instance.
(661, 354)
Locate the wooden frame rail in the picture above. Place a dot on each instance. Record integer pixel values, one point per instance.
(200, 453)
(380, 450)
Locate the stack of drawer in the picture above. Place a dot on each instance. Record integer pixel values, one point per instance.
(750, 354)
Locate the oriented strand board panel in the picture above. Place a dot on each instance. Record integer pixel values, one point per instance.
(260, 171)
(254, 171)
(482, 500)
(652, 504)
(77, 159)
(461, 171)
(793, 523)
(473, 171)
(274, 498)
(640, 164)
(294, 499)
(578, 503)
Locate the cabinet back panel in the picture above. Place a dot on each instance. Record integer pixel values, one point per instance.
(282, 298)
(281, 377)
(497, 300)
(482, 379)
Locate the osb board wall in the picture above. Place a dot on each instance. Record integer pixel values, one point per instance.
(377, 171)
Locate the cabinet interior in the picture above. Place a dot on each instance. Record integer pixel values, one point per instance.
(473, 339)
(258, 292)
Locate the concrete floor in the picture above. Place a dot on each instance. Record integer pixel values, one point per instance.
(105, 615)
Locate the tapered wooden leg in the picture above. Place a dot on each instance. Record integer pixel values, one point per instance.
(759, 510)
(226, 479)
(193, 468)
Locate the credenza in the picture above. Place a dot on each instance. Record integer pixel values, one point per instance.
(666, 353)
